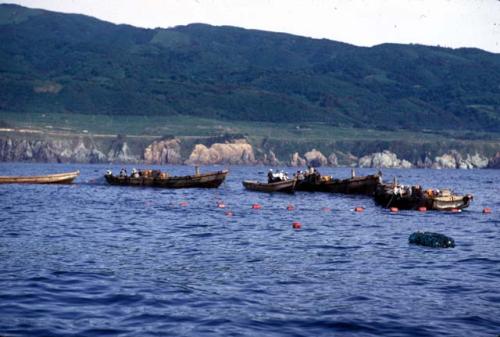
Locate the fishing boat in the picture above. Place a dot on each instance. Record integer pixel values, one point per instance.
(446, 201)
(286, 186)
(59, 178)
(363, 185)
(154, 178)
(395, 195)
(414, 197)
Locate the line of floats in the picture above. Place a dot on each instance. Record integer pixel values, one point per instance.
(393, 195)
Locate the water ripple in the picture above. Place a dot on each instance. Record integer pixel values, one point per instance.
(94, 260)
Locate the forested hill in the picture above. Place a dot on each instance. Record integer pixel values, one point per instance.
(53, 62)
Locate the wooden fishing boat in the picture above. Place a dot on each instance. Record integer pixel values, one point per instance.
(449, 202)
(414, 197)
(59, 178)
(286, 186)
(364, 185)
(205, 180)
(391, 195)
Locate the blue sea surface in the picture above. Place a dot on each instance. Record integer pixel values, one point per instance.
(90, 259)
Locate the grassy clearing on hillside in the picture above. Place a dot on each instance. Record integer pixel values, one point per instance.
(186, 126)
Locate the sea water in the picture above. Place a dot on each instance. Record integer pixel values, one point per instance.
(89, 259)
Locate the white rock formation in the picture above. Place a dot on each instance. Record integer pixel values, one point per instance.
(236, 152)
(384, 159)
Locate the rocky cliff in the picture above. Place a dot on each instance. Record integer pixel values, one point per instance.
(202, 152)
(165, 151)
(495, 161)
(385, 159)
(235, 152)
(51, 150)
(456, 160)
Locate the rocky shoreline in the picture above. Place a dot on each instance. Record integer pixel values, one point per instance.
(230, 152)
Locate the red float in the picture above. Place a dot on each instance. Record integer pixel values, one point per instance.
(256, 206)
(394, 209)
(487, 210)
(296, 225)
(422, 209)
(359, 209)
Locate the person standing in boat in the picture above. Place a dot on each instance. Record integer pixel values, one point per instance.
(270, 176)
(123, 172)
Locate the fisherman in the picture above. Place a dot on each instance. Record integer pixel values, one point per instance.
(109, 173)
(134, 174)
(270, 176)
(299, 175)
(123, 172)
(280, 176)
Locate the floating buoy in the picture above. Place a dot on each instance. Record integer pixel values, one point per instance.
(456, 210)
(256, 206)
(422, 209)
(394, 209)
(326, 209)
(228, 213)
(221, 205)
(290, 207)
(359, 209)
(183, 203)
(486, 210)
(296, 225)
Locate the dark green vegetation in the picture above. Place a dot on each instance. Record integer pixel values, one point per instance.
(61, 63)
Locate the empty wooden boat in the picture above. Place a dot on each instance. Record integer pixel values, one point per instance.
(286, 186)
(59, 178)
(163, 180)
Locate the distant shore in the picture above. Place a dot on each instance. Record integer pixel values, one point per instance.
(32, 145)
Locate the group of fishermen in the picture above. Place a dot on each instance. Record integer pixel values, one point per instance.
(311, 174)
(123, 173)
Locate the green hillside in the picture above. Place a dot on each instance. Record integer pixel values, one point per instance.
(62, 63)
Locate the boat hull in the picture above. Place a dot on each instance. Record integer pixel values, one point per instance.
(363, 185)
(388, 199)
(447, 204)
(206, 180)
(60, 178)
(287, 186)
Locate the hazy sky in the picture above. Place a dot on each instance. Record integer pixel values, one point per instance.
(450, 23)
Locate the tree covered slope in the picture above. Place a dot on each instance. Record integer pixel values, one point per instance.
(53, 62)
